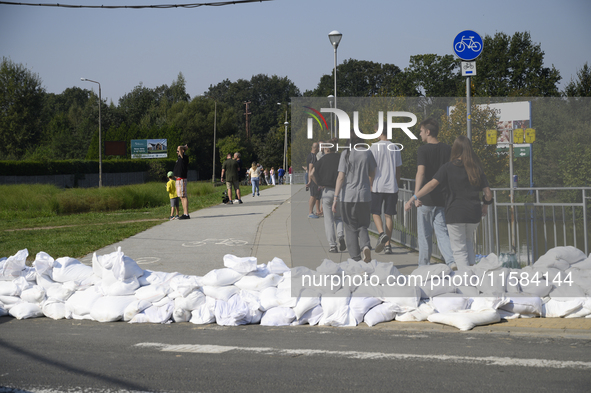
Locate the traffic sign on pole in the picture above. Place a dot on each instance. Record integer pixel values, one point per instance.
(468, 45)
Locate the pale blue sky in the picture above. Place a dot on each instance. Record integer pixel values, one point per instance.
(121, 48)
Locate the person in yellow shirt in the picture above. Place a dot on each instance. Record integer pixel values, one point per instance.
(174, 199)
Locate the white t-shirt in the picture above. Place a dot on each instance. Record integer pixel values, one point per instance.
(388, 158)
(254, 173)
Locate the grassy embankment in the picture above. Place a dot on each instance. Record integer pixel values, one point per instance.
(75, 222)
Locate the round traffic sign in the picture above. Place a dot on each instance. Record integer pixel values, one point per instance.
(468, 45)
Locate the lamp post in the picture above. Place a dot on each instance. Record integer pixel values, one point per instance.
(330, 100)
(335, 38)
(285, 142)
(100, 143)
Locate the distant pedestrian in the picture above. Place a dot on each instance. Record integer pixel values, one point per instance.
(180, 171)
(266, 172)
(254, 172)
(272, 174)
(290, 175)
(315, 194)
(281, 174)
(174, 199)
(230, 170)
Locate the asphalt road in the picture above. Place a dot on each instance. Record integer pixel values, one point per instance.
(43, 355)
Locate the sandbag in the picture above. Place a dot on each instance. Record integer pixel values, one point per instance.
(240, 265)
(332, 304)
(255, 283)
(425, 272)
(450, 302)
(360, 305)
(54, 309)
(467, 319)
(13, 266)
(110, 308)
(221, 293)
(419, 314)
(80, 303)
(311, 317)
(329, 267)
(134, 308)
(184, 285)
(308, 300)
(403, 296)
(383, 272)
(524, 305)
(557, 309)
(190, 302)
(277, 266)
(154, 314)
(278, 316)
(152, 293)
(481, 303)
(234, 312)
(43, 264)
(70, 269)
(25, 310)
(122, 287)
(35, 294)
(221, 277)
(9, 288)
(204, 314)
(384, 312)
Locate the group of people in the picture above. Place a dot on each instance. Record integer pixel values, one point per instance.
(351, 187)
(177, 185)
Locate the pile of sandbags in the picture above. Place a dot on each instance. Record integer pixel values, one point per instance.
(335, 294)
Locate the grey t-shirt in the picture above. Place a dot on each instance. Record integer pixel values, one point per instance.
(356, 165)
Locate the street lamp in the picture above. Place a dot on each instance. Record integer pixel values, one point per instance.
(100, 143)
(335, 37)
(285, 142)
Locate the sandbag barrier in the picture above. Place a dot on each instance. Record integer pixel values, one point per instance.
(116, 288)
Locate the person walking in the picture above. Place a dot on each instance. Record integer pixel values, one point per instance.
(254, 172)
(325, 173)
(311, 185)
(353, 191)
(230, 169)
(384, 188)
(463, 179)
(180, 171)
(272, 174)
(266, 172)
(431, 209)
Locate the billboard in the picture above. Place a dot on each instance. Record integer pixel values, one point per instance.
(149, 148)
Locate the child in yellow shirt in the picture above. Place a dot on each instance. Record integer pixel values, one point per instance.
(174, 199)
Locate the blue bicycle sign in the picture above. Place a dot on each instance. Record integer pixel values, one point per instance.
(468, 45)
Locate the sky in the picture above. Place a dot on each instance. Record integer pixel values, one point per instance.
(122, 48)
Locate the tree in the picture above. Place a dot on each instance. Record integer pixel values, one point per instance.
(435, 76)
(581, 87)
(21, 104)
(514, 66)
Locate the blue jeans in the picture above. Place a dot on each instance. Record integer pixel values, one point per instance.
(255, 185)
(430, 219)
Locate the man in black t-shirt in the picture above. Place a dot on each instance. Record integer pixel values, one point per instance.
(314, 192)
(431, 208)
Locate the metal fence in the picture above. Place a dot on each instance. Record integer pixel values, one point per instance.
(538, 220)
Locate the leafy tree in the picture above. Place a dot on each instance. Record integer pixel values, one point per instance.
(21, 104)
(435, 76)
(514, 66)
(581, 87)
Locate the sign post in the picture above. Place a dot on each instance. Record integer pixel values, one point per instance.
(468, 46)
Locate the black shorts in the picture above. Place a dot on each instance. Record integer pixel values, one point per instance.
(314, 191)
(388, 201)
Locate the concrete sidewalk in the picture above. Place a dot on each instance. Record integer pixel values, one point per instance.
(276, 224)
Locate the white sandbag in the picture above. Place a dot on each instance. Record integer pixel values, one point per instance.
(54, 309)
(539, 287)
(204, 314)
(569, 254)
(234, 312)
(269, 299)
(467, 319)
(10, 301)
(383, 272)
(307, 300)
(35, 294)
(403, 296)
(134, 308)
(584, 264)
(25, 310)
(329, 267)
(255, 283)
(252, 301)
(184, 285)
(9, 288)
(419, 314)
(240, 265)
(524, 305)
(467, 291)
(482, 302)
(60, 292)
(557, 309)
(425, 272)
(70, 269)
(278, 316)
(332, 304)
(353, 267)
(566, 292)
(156, 278)
(436, 287)
(43, 264)
(507, 315)
(360, 305)
(3, 311)
(14, 265)
(110, 308)
(277, 266)
(181, 315)
(154, 314)
(493, 281)
(489, 262)
(125, 268)
(583, 311)
(311, 317)
(221, 293)
(152, 293)
(221, 277)
(384, 312)
(342, 318)
(164, 301)
(190, 302)
(80, 303)
(122, 287)
(450, 302)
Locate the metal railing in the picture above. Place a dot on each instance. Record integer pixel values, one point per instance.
(537, 220)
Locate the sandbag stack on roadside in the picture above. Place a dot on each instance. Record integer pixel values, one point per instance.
(243, 292)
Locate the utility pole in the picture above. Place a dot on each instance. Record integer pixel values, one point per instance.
(247, 123)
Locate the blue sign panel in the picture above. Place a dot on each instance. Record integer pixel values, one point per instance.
(468, 45)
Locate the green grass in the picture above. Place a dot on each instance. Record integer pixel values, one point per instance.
(75, 222)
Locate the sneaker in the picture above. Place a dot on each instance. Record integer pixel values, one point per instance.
(388, 249)
(171, 218)
(239, 201)
(184, 217)
(258, 194)
(453, 266)
(333, 249)
(176, 217)
(253, 195)
(342, 245)
(382, 240)
(312, 216)
(366, 253)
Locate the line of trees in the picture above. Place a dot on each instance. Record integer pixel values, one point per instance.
(36, 125)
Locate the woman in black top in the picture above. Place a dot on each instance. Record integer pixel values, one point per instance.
(463, 179)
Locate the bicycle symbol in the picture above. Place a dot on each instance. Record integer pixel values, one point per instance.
(468, 65)
(468, 43)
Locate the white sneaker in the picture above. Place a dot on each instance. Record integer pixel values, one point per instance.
(366, 253)
(453, 266)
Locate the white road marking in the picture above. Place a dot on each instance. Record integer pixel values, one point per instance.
(487, 361)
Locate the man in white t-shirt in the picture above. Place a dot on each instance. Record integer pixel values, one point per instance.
(384, 189)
